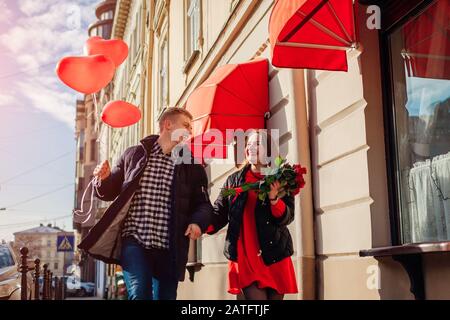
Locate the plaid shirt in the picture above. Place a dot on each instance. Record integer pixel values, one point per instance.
(148, 217)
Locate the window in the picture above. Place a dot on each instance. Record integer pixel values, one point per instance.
(93, 150)
(134, 41)
(100, 31)
(81, 146)
(92, 115)
(125, 78)
(192, 28)
(49, 243)
(106, 31)
(163, 73)
(107, 15)
(233, 4)
(419, 54)
(6, 259)
(55, 266)
(136, 37)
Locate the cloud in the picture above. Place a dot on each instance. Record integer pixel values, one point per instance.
(44, 32)
(424, 95)
(44, 95)
(33, 7)
(61, 29)
(6, 14)
(6, 99)
(9, 102)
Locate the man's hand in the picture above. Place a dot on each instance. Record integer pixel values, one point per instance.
(103, 170)
(193, 231)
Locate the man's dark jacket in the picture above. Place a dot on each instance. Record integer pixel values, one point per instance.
(190, 204)
(274, 238)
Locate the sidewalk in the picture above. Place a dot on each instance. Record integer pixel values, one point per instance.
(84, 298)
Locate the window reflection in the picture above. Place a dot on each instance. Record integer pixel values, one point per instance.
(420, 60)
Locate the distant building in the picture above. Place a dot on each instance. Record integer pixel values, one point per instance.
(42, 243)
(105, 15)
(88, 147)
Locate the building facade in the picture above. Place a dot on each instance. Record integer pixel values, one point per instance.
(348, 241)
(130, 24)
(362, 229)
(87, 133)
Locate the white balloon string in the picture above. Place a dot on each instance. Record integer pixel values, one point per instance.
(95, 184)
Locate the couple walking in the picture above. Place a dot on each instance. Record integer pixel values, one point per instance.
(159, 205)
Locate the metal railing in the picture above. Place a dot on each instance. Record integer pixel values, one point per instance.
(53, 288)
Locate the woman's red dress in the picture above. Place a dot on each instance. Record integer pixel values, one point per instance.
(250, 267)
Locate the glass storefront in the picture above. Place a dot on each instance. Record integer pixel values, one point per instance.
(420, 76)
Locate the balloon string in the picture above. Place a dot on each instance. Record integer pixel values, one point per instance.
(95, 183)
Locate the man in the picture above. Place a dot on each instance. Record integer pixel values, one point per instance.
(159, 205)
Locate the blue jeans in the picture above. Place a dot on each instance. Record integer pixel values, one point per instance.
(149, 273)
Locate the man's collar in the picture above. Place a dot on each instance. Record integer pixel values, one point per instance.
(148, 142)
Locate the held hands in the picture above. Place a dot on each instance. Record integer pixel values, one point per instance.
(103, 170)
(193, 232)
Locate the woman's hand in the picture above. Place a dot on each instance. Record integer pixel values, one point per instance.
(274, 189)
(193, 231)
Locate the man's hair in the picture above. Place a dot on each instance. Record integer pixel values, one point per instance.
(172, 113)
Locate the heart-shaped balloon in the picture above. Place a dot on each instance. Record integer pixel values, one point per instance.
(86, 74)
(120, 114)
(116, 50)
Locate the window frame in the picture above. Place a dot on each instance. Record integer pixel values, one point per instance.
(163, 40)
(192, 42)
(394, 17)
(136, 36)
(93, 151)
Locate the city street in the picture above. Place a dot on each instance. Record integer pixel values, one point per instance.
(84, 298)
(224, 150)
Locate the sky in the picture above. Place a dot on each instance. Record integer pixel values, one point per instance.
(37, 112)
(424, 94)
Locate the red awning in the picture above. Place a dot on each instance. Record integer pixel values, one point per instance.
(235, 96)
(427, 43)
(312, 34)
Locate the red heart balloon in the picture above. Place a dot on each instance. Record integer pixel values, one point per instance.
(120, 114)
(116, 50)
(86, 74)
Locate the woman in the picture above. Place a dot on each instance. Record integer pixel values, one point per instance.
(258, 243)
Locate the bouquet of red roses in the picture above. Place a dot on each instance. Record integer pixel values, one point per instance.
(290, 177)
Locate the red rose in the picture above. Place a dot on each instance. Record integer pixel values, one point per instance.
(299, 171)
(238, 192)
(296, 192)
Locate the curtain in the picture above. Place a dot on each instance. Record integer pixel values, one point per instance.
(429, 203)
